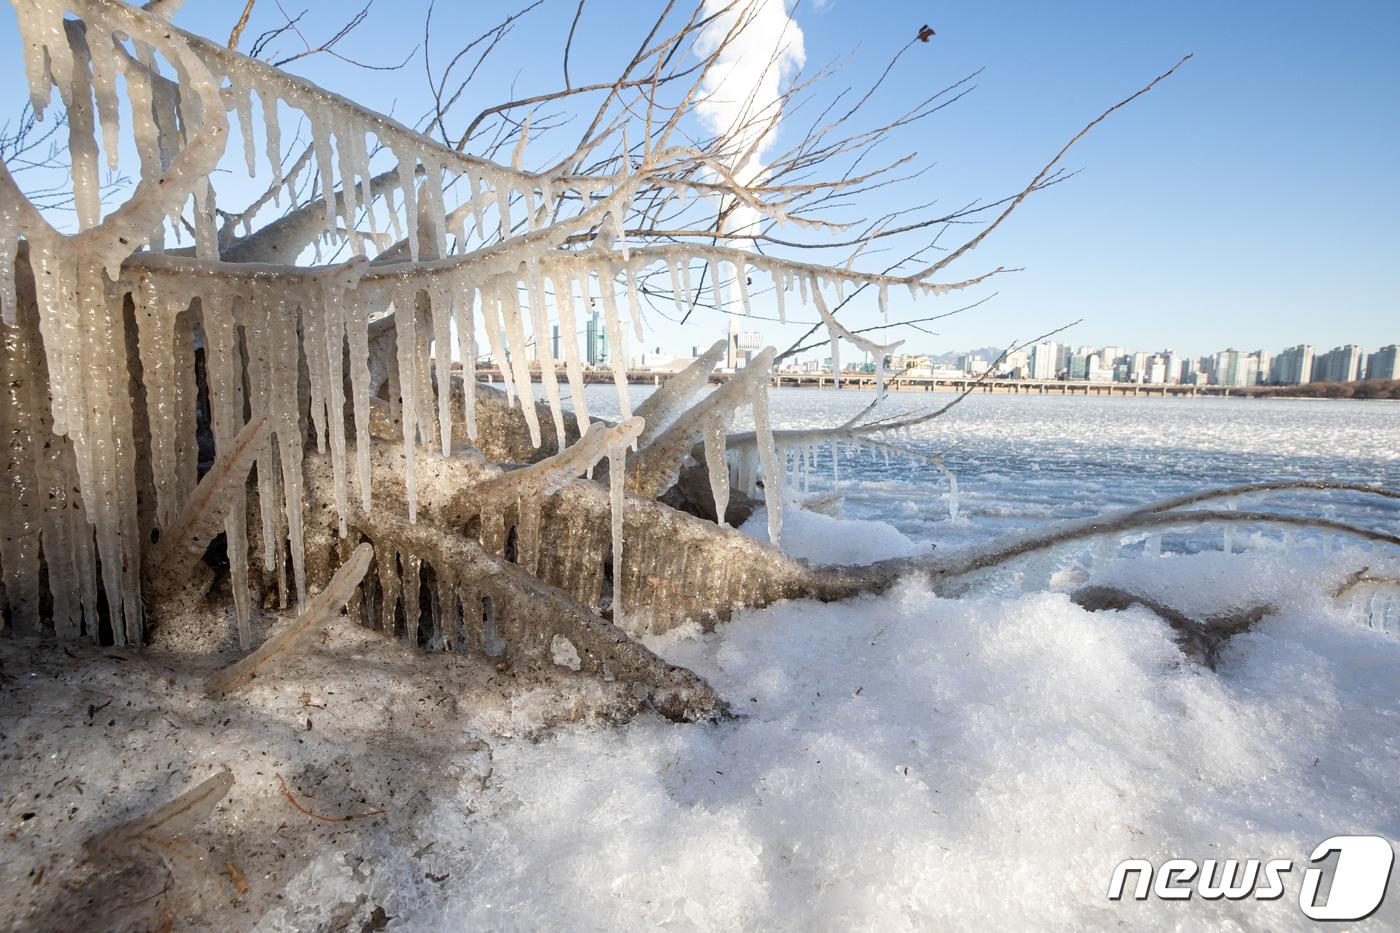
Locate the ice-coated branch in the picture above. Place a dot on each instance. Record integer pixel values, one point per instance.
(1228, 492)
(324, 607)
(1002, 550)
(158, 830)
(655, 466)
(184, 541)
(672, 396)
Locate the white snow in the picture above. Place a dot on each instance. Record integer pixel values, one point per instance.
(906, 762)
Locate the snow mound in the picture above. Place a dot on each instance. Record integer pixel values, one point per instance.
(825, 540)
(907, 762)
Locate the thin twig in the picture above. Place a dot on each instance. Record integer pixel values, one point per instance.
(286, 791)
(238, 26)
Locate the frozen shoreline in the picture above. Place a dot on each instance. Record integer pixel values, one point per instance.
(898, 761)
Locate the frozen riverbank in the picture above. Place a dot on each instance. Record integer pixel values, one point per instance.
(900, 762)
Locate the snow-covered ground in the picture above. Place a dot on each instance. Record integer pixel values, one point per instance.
(906, 762)
(897, 762)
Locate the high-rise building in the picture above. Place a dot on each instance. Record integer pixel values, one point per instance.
(1260, 367)
(1293, 366)
(1384, 363)
(1016, 365)
(1079, 366)
(1231, 368)
(1045, 359)
(596, 340)
(1137, 366)
(1340, 364)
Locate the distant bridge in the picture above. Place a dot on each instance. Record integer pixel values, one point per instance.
(997, 385)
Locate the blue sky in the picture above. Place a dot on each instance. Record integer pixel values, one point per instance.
(1250, 201)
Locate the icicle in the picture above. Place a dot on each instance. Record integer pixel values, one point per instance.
(519, 360)
(717, 284)
(206, 233)
(357, 335)
(617, 471)
(491, 320)
(349, 193)
(954, 498)
(780, 286)
(741, 277)
(715, 430)
(502, 205)
(432, 190)
(243, 106)
(333, 315)
(405, 340)
(46, 52)
(408, 169)
(423, 371)
(568, 334)
(155, 318)
(9, 249)
(313, 337)
(884, 301)
(272, 134)
(539, 322)
(281, 323)
(686, 292)
(257, 337)
(675, 287)
(772, 477)
(321, 145)
(466, 349)
(224, 374)
(441, 309)
(634, 304)
(474, 190)
(412, 587)
(617, 358)
(82, 145)
(102, 57)
(394, 226)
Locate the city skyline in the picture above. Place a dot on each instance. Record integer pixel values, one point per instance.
(1051, 360)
